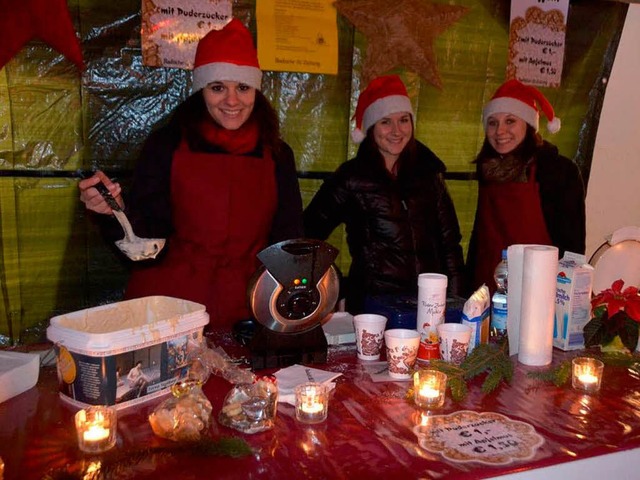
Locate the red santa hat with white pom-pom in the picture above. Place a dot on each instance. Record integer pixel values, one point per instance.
(382, 97)
(227, 54)
(520, 100)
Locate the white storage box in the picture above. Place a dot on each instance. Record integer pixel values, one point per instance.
(126, 352)
(18, 373)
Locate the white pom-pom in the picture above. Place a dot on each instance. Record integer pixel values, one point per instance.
(554, 125)
(357, 136)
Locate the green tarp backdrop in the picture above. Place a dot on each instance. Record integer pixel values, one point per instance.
(54, 121)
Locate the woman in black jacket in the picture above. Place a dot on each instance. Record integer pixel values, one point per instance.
(400, 220)
(528, 192)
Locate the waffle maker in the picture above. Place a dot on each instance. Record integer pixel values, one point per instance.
(294, 290)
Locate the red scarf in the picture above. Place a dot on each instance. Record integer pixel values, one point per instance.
(237, 142)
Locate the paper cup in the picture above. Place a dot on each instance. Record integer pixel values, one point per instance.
(402, 349)
(454, 342)
(369, 329)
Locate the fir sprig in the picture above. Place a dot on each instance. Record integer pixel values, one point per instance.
(114, 462)
(560, 374)
(492, 359)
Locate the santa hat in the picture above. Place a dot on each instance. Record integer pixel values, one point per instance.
(520, 100)
(227, 54)
(382, 97)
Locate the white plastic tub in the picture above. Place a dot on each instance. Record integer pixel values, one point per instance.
(97, 349)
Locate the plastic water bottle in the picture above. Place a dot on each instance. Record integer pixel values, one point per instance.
(498, 328)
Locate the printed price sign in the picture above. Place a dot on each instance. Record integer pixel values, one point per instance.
(487, 437)
(537, 41)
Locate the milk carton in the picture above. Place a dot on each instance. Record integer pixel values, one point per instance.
(573, 301)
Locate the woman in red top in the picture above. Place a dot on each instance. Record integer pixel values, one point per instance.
(218, 182)
(528, 192)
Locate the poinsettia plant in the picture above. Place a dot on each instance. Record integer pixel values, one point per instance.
(615, 313)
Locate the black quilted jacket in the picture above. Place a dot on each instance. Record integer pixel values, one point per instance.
(396, 228)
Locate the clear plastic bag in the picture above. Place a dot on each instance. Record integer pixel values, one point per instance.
(184, 417)
(251, 408)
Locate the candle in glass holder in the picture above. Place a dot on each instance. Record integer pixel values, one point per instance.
(96, 429)
(429, 387)
(312, 402)
(586, 374)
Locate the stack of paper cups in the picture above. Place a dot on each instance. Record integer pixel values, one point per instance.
(432, 301)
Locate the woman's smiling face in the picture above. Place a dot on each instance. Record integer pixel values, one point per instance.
(229, 103)
(505, 132)
(392, 133)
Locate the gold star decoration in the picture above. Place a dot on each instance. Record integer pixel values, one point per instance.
(400, 33)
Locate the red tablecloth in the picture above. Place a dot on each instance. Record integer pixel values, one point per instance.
(368, 433)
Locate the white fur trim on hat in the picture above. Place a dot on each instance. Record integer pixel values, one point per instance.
(383, 107)
(218, 72)
(513, 106)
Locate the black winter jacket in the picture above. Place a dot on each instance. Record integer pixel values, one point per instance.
(396, 228)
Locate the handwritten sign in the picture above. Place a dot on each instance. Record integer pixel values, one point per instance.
(487, 437)
(171, 29)
(537, 41)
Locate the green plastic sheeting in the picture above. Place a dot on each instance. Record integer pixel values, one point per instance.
(54, 121)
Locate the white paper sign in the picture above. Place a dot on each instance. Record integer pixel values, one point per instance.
(487, 437)
(171, 29)
(537, 41)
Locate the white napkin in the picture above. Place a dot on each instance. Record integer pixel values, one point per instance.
(289, 378)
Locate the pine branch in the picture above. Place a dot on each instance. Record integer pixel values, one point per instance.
(484, 358)
(112, 464)
(561, 374)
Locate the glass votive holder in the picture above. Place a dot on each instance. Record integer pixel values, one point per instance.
(96, 428)
(429, 388)
(586, 374)
(312, 402)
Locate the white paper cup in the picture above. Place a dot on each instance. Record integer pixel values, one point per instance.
(454, 342)
(369, 328)
(402, 350)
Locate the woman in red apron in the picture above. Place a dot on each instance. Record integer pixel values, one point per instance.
(217, 182)
(528, 192)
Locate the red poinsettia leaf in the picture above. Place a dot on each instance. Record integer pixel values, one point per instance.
(614, 305)
(602, 298)
(617, 286)
(630, 292)
(633, 308)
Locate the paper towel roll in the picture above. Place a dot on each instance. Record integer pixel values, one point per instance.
(515, 262)
(539, 272)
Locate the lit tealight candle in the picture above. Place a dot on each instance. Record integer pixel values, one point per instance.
(95, 433)
(312, 401)
(586, 374)
(427, 391)
(96, 429)
(429, 388)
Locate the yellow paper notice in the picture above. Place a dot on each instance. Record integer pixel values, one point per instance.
(297, 36)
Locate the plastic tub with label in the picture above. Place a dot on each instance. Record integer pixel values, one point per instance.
(126, 352)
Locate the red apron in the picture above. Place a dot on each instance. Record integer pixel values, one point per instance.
(508, 213)
(222, 210)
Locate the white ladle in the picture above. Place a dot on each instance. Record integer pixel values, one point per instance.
(134, 247)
